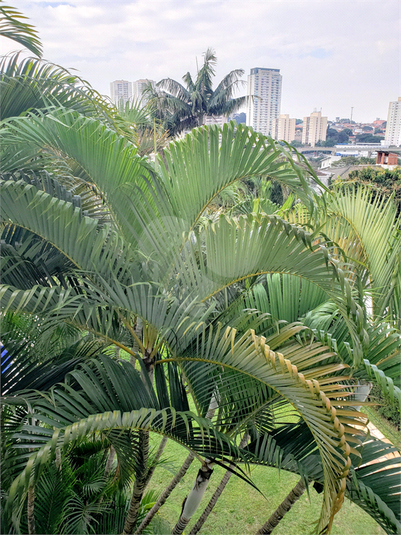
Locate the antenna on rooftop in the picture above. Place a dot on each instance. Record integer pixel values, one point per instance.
(352, 111)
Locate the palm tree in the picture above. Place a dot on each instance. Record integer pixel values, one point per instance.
(184, 107)
(158, 240)
(100, 240)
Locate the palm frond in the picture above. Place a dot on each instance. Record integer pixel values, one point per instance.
(109, 388)
(367, 230)
(247, 364)
(25, 364)
(29, 84)
(175, 89)
(102, 154)
(13, 26)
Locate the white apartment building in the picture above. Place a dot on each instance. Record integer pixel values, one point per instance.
(220, 120)
(138, 87)
(393, 128)
(314, 129)
(120, 92)
(283, 128)
(264, 99)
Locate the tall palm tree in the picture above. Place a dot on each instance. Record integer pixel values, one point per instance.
(182, 107)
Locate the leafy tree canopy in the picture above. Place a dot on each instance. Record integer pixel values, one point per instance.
(333, 137)
(368, 138)
(383, 182)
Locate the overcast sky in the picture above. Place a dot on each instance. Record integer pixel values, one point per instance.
(332, 54)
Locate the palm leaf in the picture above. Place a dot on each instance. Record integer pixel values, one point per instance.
(370, 227)
(47, 218)
(26, 365)
(101, 153)
(238, 250)
(74, 413)
(13, 26)
(247, 364)
(375, 484)
(381, 353)
(29, 84)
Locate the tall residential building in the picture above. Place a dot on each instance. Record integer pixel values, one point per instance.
(139, 86)
(264, 99)
(120, 91)
(283, 128)
(314, 129)
(393, 128)
(220, 120)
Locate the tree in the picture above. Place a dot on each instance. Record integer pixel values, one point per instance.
(368, 138)
(296, 143)
(342, 137)
(100, 240)
(184, 107)
(383, 183)
(333, 137)
(330, 142)
(147, 134)
(115, 294)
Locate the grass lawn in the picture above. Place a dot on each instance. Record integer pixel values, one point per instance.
(386, 427)
(241, 510)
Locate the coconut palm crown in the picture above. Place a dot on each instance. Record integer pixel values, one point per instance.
(184, 107)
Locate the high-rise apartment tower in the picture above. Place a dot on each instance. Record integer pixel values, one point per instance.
(283, 128)
(393, 128)
(314, 129)
(139, 86)
(264, 99)
(120, 91)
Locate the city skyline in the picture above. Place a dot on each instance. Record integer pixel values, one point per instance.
(333, 55)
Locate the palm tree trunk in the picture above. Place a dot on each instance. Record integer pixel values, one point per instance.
(176, 479)
(139, 485)
(217, 493)
(192, 501)
(165, 494)
(213, 500)
(58, 458)
(159, 453)
(30, 506)
(30, 511)
(109, 462)
(142, 475)
(282, 509)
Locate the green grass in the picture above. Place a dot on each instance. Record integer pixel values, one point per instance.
(388, 430)
(241, 510)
